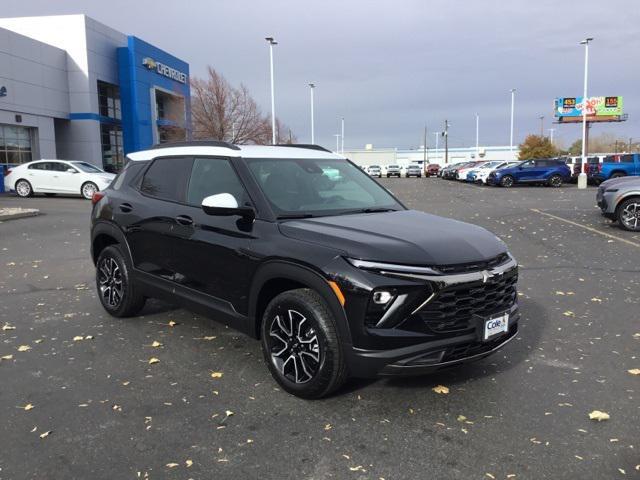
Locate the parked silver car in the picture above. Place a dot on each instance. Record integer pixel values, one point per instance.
(619, 199)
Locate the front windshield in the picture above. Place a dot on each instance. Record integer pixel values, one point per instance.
(87, 167)
(309, 187)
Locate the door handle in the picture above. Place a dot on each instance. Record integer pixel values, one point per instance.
(184, 220)
(125, 207)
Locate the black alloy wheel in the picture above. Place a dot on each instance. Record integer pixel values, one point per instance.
(301, 346)
(116, 289)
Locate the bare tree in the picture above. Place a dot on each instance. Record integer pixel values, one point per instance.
(220, 111)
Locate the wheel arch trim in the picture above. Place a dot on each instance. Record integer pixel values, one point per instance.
(281, 269)
(102, 227)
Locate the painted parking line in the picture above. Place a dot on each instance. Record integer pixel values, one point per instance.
(571, 222)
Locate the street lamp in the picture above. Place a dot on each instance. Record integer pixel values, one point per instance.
(437, 134)
(541, 117)
(313, 138)
(337, 135)
(551, 130)
(342, 137)
(513, 100)
(582, 178)
(477, 136)
(272, 42)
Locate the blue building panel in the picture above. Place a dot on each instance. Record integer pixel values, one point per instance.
(144, 68)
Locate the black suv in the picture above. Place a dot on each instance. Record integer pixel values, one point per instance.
(298, 247)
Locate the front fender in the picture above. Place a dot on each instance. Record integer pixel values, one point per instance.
(274, 269)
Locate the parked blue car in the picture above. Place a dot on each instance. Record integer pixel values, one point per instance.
(615, 166)
(548, 171)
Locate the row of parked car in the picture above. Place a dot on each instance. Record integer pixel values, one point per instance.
(411, 170)
(547, 171)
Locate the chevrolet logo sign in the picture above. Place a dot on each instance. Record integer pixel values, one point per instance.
(150, 63)
(3, 91)
(164, 70)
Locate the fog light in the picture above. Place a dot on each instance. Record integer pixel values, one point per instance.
(382, 297)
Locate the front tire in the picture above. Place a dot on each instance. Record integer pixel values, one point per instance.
(23, 188)
(555, 181)
(301, 345)
(628, 214)
(617, 175)
(88, 189)
(116, 290)
(507, 181)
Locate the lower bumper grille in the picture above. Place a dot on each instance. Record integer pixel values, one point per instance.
(466, 350)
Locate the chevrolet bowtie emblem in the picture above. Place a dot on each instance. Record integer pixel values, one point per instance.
(149, 62)
(486, 276)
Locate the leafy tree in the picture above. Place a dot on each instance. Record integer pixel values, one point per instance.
(576, 147)
(536, 146)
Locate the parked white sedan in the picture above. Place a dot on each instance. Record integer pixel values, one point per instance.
(56, 176)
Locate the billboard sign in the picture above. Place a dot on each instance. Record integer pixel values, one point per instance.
(596, 106)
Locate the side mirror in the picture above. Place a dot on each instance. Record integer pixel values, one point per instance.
(71, 170)
(225, 204)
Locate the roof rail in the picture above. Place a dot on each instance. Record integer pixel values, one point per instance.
(196, 143)
(304, 145)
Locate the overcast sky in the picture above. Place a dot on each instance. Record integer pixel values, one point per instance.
(389, 67)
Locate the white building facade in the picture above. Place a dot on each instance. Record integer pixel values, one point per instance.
(73, 88)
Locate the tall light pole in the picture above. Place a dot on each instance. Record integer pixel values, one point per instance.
(313, 137)
(337, 135)
(446, 141)
(513, 102)
(551, 130)
(582, 178)
(342, 136)
(437, 134)
(541, 117)
(477, 136)
(272, 42)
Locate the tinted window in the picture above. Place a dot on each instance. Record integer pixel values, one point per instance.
(41, 166)
(528, 164)
(87, 167)
(211, 176)
(167, 178)
(626, 158)
(61, 167)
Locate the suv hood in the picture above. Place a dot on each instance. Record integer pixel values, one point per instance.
(615, 181)
(406, 237)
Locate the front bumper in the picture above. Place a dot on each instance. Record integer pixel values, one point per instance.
(429, 356)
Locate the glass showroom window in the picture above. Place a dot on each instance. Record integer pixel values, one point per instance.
(109, 100)
(15, 144)
(112, 153)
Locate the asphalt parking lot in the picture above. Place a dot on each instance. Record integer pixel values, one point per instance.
(100, 410)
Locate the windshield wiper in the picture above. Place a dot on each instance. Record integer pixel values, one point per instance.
(369, 210)
(294, 216)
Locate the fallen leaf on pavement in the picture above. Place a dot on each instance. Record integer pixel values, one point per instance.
(78, 338)
(154, 360)
(45, 434)
(172, 323)
(188, 463)
(569, 313)
(6, 326)
(216, 374)
(156, 344)
(441, 389)
(172, 465)
(7, 357)
(634, 371)
(27, 407)
(598, 415)
(24, 348)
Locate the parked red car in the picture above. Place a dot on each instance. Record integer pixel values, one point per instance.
(433, 169)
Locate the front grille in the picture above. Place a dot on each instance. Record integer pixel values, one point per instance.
(454, 308)
(474, 266)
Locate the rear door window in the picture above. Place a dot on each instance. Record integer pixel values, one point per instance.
(167, 178)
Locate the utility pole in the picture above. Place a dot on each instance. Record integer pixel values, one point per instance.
(272, 42)
(342, 137)
(313, 136)
(551, 130)
(337, 135)
(446, 141)
(630, 144)
(582, 178)
(541, 117)
(437, 134)
(477, 136)
(513, 101)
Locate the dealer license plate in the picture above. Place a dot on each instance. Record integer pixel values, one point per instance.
(496, 325)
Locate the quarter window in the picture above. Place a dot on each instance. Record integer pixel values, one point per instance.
(626, 158)
(167, 178)
(211, 176)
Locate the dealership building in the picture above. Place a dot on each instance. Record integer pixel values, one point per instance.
(73, 88)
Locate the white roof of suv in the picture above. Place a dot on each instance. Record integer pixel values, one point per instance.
(228, 150)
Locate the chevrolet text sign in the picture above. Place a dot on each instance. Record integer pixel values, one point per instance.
(165, 70)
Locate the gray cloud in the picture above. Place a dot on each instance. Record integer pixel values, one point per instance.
(389, 67)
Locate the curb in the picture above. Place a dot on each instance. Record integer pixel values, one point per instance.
(24, 213)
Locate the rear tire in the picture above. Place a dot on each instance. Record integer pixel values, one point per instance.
(301, 345)
(555, 181)
(116, 290)
(618, 175)
(23, 188)
(507, 181)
